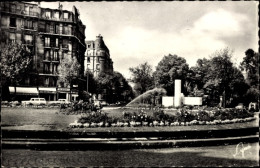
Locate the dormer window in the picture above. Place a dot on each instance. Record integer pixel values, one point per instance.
(48, 14)
(56, 15)
(66, 15)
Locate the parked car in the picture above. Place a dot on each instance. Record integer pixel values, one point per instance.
(34, 102)
(240, 106)
(103, 102)
(63, 101)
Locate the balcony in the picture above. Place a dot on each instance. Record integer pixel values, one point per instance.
(28, 27)
(30, 13)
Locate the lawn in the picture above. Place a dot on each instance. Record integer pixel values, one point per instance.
(52, 119)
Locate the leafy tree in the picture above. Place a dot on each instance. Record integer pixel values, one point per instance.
(142, 77)
(250, 64)
(114, 86)
(171, 67)
(68, 71)
(222, 78)
(15, 62)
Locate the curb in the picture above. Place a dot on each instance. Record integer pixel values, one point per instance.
(94, 144)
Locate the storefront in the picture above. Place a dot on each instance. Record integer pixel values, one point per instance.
(23, 93)
(49, 93)
(64, 93)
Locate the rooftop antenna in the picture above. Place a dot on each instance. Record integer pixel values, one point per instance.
(60, 6)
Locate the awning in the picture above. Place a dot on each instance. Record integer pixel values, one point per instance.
(24, 90)
(47, 90)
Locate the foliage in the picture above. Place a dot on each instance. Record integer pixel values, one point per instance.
(15, 62)
(251, 65)
(252, 95)
(142, 77)
(171, 67)
(219, 77)
(149, 97)
(68, 70)
(158, 117)
(15, 59)
(80, 107)
(91, 83)
(114, 87)
(95, 117)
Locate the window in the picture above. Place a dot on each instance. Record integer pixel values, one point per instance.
(61, 27)
(28, 39)
(55, 55)
(12, 22)
(46, 82)
(88, 46)
(88, 58)
(47, 28)
(98, 67)
(46, 68)
(47, 41)
(26, 10)
(18, 37)
(65, 30)
(51, 29)
(12, 37)
(64, 55)
(47, 55)
(42, 26)
(13, 8)
(31, 11)
(56, 15)
(57, 42)
(66, 15)
(28, 24)
(69, 46)
(18, 9)
(65, 43)
(48, 14)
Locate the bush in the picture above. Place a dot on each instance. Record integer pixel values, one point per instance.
(184, 115)
(95, 117)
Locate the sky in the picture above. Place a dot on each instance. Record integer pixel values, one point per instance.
(138, 32)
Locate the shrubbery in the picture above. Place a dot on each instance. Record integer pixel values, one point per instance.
(183, 117)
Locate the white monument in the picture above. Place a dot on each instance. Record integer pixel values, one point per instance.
(177, 93)
(178, 98)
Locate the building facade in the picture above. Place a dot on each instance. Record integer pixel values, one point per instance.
(97, 57)
(51, 35)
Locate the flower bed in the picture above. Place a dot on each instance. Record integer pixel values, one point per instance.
(183, 117)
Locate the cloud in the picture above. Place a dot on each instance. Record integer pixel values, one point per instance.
(146, 31)
(135, 45)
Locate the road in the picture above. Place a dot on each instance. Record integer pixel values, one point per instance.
(213, 156)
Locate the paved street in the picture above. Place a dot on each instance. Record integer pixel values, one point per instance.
(193, 156)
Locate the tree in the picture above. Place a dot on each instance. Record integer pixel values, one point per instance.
(68, 71)
(114, 87)
(15, 62)
(222, 78)
(171, 67)
(142, 77)
(251, 65)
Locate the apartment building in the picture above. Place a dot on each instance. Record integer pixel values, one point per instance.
(97, 57)
(51, 35)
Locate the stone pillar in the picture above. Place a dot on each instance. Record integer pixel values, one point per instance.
(177, 93)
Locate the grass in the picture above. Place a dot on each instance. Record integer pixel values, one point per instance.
(51, 119)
